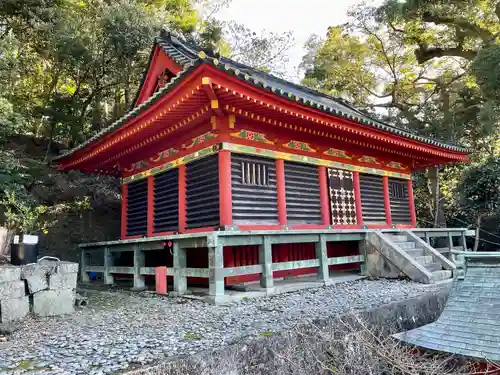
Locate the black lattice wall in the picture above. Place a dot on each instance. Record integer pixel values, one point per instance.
(166, 201)
(400, 203)
(253, 180)
(202, 192)
(137, 208)
(303, 205)
(372, 198)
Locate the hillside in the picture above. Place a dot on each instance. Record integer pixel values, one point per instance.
(25, 165)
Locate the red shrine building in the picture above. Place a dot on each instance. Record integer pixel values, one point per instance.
(216, 149)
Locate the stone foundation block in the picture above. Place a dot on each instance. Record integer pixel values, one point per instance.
(9, 273)
(63, 281)
(12, 289)
(60, 266)
(37, 282)
(54, 302)
(37, 268)
(14, 309)
(67, 267)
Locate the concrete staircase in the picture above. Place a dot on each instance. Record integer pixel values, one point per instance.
(392, 254)
(419, 254)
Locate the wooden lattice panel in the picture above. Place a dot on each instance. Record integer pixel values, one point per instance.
(342, 198)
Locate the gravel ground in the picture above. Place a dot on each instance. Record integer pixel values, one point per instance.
(118, 330)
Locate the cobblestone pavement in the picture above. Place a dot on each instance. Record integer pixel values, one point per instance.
(118, 330)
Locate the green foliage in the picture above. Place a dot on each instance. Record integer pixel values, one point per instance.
(478, 191)
(24, 216)
(486, 67)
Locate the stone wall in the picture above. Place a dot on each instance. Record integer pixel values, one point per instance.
(266, 355)
(46, 288)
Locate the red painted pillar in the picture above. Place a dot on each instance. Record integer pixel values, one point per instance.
(387, 200)
(357, 198)
(326, 217)
(281, 191)
(225, 195)
(123, 232)
(161, 280)
(411, 201)
(151, 205)
(182, 198)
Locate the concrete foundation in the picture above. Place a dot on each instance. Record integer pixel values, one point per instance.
(14, 309)
(51, 302)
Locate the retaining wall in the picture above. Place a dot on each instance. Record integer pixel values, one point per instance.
(266, 355)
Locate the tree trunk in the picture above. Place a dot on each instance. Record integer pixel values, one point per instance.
(478, 229)
(435, 192)
(127, 86)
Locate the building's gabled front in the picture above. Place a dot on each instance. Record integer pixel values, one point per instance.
(213, 143)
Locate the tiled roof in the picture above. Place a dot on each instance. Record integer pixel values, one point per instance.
(188, 55)
(470, 322)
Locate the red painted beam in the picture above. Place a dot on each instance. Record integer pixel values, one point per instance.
(411, 201)
(357, 198)
(281, 191)
(324, 198)
(225, 195)
(151, 205)
(182, 198)
(212, 96)
(387, 200)
(123, 232)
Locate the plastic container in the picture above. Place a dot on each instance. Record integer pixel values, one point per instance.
(23, 253)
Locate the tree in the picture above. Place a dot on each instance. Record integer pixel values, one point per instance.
(375, 67)
(478, 192)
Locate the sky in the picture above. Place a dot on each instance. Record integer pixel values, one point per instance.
(301, 17)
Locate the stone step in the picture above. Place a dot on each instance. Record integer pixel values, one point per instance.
(405, 245)
(441, 275)
(433, 266)
(399, 237)
(424, 259)
(415, 252)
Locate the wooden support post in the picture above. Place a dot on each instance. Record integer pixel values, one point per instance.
(326, 216)
(266, 261)
(216, 269)
(180, 279)
(322, 256)
(139, 261)
(225, 195)
(357, 198)
(281, 191)
(387, 201)
(108, 262)
(411, 201)
(151, 205)
(124, 211)
(84, 275)
(182, 198)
